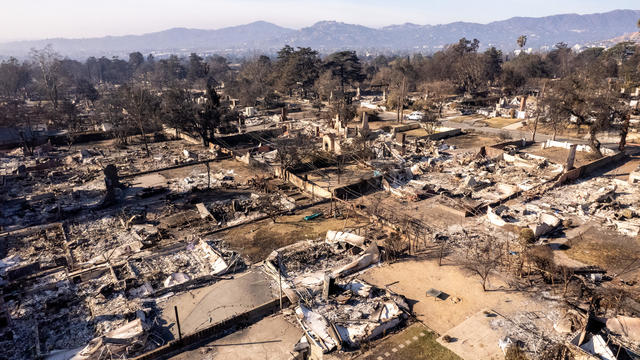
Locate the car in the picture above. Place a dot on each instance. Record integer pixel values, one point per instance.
(416, 115)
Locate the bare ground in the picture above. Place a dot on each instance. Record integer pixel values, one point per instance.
(257, 240)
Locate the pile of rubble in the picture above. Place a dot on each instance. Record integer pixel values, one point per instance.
(472, 176)
(611, 202)
(59, 295)
(335, 309)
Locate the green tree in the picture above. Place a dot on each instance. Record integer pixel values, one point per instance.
(218, 67)
(168, 71)
(492, 64)
(297, 69)
(178, 108)
(346, 67)
(588, 96)
(252, 82)
(463, 66)
(197, 69)
(136, 59)
(201, 113)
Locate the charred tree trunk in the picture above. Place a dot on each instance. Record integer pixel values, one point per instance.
(623, 133)
(594, 142)
(144, 137)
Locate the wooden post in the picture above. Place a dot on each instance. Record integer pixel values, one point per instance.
(208, 176)
(280, 278)
(175, 308)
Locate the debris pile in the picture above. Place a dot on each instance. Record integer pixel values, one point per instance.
(336, 310)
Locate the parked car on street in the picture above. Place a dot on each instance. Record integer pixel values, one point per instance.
(416, 115)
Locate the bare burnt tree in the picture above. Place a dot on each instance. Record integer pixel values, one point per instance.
(271, 205)
(566, 275)
(292, 152)
(141, 106)
(483, 257)
(71, 120)
(395, 246)
(48, 62)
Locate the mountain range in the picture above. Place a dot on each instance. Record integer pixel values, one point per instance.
(329, 36)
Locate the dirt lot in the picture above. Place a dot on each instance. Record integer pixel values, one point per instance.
(257, 240)
(241, 171)
(622, 171)
(466, 118)
(430, 210)
(567, 131)
(462, 298)
(500, 122)
(417, 133)
(559, 155)
(413, 278)
(472, 140)
(328, 177)
(609, 250)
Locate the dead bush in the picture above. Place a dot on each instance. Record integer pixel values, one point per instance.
(504, 135)
(395, 246)
(542, 258)
(514, 352)
(526, 237)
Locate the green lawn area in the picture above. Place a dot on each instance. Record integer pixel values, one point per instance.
(415, 342)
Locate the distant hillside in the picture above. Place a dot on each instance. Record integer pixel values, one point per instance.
(328, 36)
(634, 37)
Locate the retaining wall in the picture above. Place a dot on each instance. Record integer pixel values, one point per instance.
(404, 128)
(589, 168)
(445, 134)
(300, 183)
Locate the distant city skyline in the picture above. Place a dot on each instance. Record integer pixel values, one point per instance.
(41, 19)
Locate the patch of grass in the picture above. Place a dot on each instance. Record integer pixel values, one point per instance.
(425, 347)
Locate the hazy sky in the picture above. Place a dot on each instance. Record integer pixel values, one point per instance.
(38, 19)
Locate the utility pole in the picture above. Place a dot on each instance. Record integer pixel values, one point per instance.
(331, 203)
(280, 277)
(175, 308)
